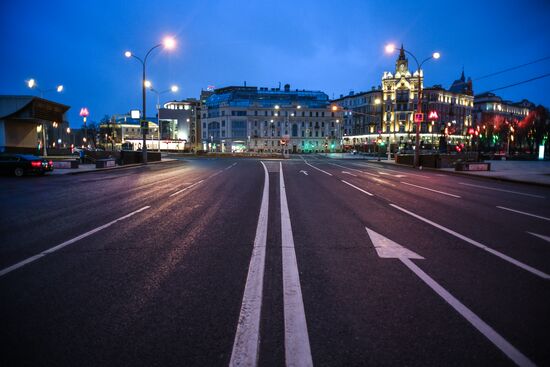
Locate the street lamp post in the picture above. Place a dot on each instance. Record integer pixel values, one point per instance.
(168, 43)
(32, 84)
(436, 55)
(173, 89)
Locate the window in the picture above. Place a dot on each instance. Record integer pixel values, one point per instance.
(303, 133)
(255, 113)
(323, 114)
(294, 130)
(223, 113)
(238, 129)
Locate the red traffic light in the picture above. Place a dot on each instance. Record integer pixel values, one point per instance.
(471, 131)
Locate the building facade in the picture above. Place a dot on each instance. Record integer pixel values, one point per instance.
(388, 113)
(270, 120)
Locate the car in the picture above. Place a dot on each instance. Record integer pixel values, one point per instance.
(21, 164)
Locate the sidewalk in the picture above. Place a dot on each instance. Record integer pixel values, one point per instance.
(530, 172)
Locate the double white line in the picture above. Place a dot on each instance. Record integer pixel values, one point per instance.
(247, 338)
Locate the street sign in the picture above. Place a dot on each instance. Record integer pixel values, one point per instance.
(418, 117)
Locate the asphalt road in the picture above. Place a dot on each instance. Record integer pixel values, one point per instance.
(307, 261)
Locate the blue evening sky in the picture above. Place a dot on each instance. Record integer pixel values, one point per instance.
(333, 46)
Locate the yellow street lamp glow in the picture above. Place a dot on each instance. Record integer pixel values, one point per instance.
(174, 88)
(436, 55)
(148, 84)
(390, 48)
(31, 83)
(68, 130)
(59, 88)
(169, 43)
(128, 54)
(377, 101)
(334, 108)
(277, 107)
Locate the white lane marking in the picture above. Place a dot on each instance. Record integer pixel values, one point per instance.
(390, 170)
(389, 174)
(186, 188)
(354, 169)
(425, 188)
(304, 172)
(247, 338)
(546, 238)
(318, 169)
(386, 248)
(514, 354)
(383, 182)
(349, 173)
(67, 243)
(233, 165)
(524, 213)
(502, 190)
(297, 349)
(357, 188)
(504, 257)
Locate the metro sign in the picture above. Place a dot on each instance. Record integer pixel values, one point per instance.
(433, 115)
(418, 117)
(84, 112)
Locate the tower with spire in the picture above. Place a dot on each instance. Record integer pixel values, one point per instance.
(402, 63)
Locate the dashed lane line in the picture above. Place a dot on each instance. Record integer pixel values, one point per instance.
(67, 243)
(318, 169)
(524, 213)
(432, 190)
(186, 188)
(357, 188)
(504, 257)
(502, 190)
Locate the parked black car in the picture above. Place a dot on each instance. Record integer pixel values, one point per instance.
(21, 164)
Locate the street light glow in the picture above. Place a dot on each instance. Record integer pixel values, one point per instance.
(128, 54)
(174, 88)
(169, 43)
(148, 84)
(277, 107)
(59, 88)
(436, 55)
(31, 83)
(377, 101)
(390, 48)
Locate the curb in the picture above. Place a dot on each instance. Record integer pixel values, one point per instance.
(494, 178)
(115, 168)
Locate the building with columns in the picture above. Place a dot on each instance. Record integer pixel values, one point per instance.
(270, 120)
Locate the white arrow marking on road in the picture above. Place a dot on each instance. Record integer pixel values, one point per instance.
(304, 172)
(499, 254)
(546, 238)
(387, 248)
(349, 173)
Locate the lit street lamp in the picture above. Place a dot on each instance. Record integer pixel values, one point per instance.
(172, 89)
(168, 43)
(32, 84)
(436, 55)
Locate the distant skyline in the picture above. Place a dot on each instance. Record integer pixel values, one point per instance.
(335, 47)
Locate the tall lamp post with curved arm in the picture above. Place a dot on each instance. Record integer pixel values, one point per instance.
(172, 89)
(168, 43)
(436, 55)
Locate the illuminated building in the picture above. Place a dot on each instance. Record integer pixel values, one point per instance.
(269, 120)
